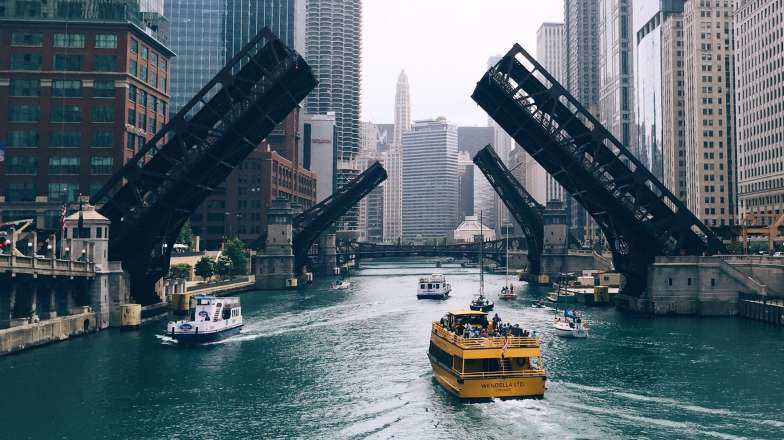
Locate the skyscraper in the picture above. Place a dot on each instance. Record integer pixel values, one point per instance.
(550, 54)
(402, 108)
(758, 67)
(710, 112)
(581, 79)
(334, 51)
(647, 18)
(616, 71)
(673, 98)
(195, 64)
(430, 179)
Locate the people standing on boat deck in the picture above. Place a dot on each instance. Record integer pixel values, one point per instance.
(533, 335)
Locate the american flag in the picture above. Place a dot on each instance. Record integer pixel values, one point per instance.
(506, 344)
(62, 218)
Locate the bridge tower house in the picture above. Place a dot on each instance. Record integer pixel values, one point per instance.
(87, 239)
(276, 264)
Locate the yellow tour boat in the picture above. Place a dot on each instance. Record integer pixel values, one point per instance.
(482, 368)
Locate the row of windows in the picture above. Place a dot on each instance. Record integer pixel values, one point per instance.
(145, 76)
(59, 113)
(60, 139)
(51, 217)
(102, 41)
(67, 63)
(144, 99)
(60, 89)
(57, 165)
(148, 55)
(60, 192)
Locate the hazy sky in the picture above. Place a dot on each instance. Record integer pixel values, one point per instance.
(443, 45)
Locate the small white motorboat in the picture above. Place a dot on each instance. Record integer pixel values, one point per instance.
(210, 319)
(341, 284)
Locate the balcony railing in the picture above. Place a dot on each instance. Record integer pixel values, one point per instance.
(10, 261)
(489, 342)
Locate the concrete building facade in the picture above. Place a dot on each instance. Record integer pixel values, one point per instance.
(673, 98)
(759, 69)
(429, 179)
(711, 189)
(78, 98)
(402, 108)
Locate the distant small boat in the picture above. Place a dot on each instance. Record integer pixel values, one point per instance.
(433, 287)
(341, 284)
(210, 319)
(507, 292)
(539, 305)
(482, 304)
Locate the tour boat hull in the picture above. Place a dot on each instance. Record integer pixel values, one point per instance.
(482, 308)
(432, 295)
(199, 338)
(491, 387)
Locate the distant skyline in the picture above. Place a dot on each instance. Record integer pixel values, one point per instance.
(443, 45)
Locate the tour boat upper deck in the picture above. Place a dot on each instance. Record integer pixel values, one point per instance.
(433, 287)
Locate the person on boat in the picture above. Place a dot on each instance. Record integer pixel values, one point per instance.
(511, 287)
(483, 334)
(496, 320)
(533, 334)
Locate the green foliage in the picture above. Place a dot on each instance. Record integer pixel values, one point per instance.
(223, 266)
(205, 268)
(23, 307)
(186, 235)
(235, 252)
(180, 270)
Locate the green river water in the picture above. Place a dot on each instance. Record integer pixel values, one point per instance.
(351, 364)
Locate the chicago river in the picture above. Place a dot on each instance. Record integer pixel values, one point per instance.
(323, 363)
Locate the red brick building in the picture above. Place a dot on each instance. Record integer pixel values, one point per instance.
(238, 208)
(78, 98)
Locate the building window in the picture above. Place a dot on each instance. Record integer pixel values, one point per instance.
(64, 165)
(142, 122)
(164, 65)
(20, 192)
(24, 87)
(141, 140)
(216, 204)
(65, 139)
(151, 126)
(12, 216)
(132, 67)
(134, 46)
(153, 104)
(154, 80)
(145, 52)
(21, 39)
(132, 93)
(103, 89)
(25, 61)
(131, 117)
(94, 188)
(70, 9)
(163, 85)
(66, 113)
(142, 98)
(162, 108)
(68, 40)
(130, 141)
(23, 113)
(65, 192)
(105, 63)
(143, 74)
(23, 138)
(154, 59)
(102, 139)
(21, 165)
(68, 63)
(66, 89)
(52, 219)
(101, 165)
(103, 41)
(103, 113)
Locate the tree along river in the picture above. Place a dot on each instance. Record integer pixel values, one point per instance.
(323, 363)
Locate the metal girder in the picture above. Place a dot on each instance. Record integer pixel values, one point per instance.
(313, 222)
(202, 144)
(641, 218)
(523, 207)
(495, 250)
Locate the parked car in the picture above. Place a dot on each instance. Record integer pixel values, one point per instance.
(778, 254)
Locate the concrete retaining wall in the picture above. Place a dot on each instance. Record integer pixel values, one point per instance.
(52, 330)
(772, 313)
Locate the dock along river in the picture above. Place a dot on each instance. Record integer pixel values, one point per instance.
(351, 364)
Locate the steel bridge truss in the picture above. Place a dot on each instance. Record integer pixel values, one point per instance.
(640, 217)
(195, 152)
(313, 222)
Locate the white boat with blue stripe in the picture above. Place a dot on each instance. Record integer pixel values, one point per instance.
(210, 319)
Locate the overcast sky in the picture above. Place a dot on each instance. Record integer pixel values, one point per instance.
(443, 45)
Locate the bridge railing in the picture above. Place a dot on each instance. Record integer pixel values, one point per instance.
(12, 262)
(752, 259)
